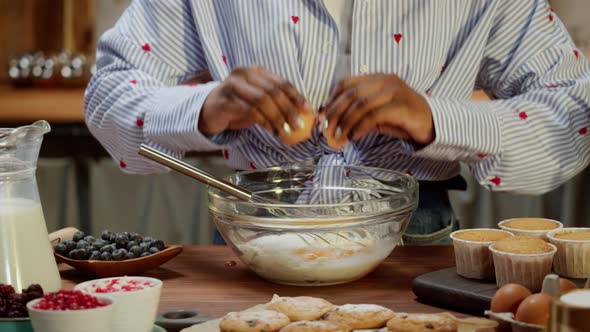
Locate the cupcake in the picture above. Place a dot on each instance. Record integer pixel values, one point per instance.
(573, 251)
(472, 255)
(535, 227)
(522, 260)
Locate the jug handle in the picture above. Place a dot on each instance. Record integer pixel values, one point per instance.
(62, 234)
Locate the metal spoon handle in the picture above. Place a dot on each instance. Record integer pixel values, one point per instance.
(195, 173)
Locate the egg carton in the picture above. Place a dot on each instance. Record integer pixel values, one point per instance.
(507, 323)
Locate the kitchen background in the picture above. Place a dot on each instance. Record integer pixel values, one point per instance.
(81, 187)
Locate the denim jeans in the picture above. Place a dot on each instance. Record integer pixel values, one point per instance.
(431, 223)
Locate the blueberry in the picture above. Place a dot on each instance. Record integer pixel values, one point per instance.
(98, 244)
(106, 256)
(106, 235)
(144, 254)
(70, 245)
(112, 238)
(61, 249)
(158, 244)
(136, 250)
(108, 248)
(78, 236)
(82, 244)
(144, 246)
(154, 250)
(131, 244)
(118, 255)
(90, 239)
(78, 254)
(148, 239)
(121, 241)
(95, 255)
(130, 255)
(137, 238)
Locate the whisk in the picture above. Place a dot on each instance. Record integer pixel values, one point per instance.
(234, 190)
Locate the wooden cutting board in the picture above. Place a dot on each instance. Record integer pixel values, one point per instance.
(446, 289)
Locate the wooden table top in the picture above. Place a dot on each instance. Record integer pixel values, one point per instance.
(200, 280)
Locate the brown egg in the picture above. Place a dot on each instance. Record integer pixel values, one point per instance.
(534, 309)
(299, 135)
(509, 297)
(566, 285)
(336, 143)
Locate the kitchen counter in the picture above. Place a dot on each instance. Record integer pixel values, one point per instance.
(58, 106)
(201, 279)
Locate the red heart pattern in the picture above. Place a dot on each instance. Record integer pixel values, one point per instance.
(577, 54)
(139, 122)
(146, 47)
(122, 164)
(583, 131)
(133, 81)
(551, 9)
(295, 19)
(523, 115)
(398, 37)
(550, 17)
(481, 155)
(496, 180)
(442, 69)
(225, 154)
(252, 166)
(224, 59)
(409, 173)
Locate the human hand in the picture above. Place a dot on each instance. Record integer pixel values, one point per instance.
(250, 96)
(376, 102)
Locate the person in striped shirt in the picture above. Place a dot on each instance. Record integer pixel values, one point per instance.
(394, 78)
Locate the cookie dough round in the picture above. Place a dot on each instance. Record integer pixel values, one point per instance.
(253, 321)
(300, 307)
(315, 326)
(421, 322)
(360, 316)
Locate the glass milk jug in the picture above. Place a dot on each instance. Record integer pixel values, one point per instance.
(26, 256)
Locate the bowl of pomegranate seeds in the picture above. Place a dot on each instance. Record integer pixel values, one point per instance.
(137, 300)
(70, 310)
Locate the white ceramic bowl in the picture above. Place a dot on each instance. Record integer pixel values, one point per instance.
(88, 320)
(135, 311)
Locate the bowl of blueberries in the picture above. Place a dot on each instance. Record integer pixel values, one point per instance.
(111, 254)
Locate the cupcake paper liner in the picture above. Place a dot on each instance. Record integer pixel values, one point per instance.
(523, 269)
(474, 259)
(573, 256)
(540, 234)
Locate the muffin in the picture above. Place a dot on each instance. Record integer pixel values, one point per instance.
(522, 260)
(573, 251)
(535, 227)
(472, 255)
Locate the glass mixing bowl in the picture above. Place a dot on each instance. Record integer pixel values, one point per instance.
(329, 225)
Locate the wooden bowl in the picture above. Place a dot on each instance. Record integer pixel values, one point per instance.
(105, 269)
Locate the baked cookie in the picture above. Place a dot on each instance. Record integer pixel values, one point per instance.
(315, 326)
(300, 308)
(421, 323)
(359, 316)
(253, 321)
